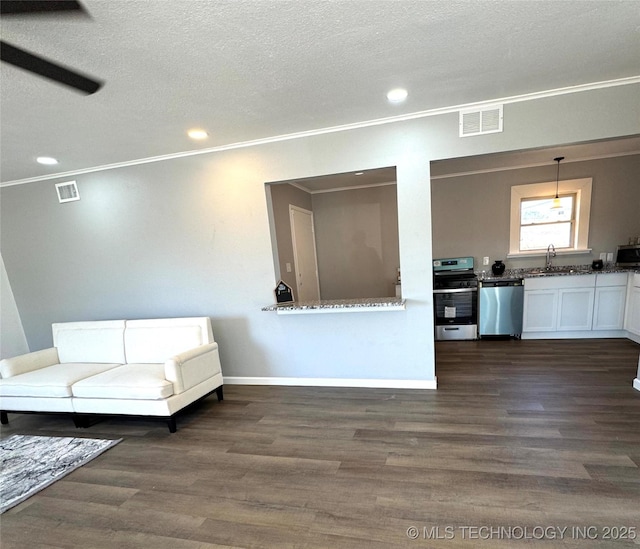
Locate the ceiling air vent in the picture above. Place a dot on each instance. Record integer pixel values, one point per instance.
(67, 191)
(481, 121)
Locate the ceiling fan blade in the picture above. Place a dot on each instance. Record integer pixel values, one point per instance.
(43, 67)
(8, 7)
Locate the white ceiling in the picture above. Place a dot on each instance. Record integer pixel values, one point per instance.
(350, 180)
(488, 163)
(252, 69)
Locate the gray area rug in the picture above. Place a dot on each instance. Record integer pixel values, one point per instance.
(30, 463)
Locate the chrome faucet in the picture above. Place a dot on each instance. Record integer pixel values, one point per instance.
(551, 252)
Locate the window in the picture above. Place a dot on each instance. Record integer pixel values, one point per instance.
(542, 222)
(536, 223)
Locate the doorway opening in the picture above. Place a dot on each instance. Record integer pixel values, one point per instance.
(305, 256)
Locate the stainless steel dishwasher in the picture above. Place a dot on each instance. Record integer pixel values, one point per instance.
(500, 307)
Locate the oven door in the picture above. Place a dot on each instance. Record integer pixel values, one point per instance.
(456, 313)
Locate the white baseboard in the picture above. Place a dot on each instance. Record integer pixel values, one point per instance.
(633, 337)
(636, 384)
(595, 334)
(334, 382)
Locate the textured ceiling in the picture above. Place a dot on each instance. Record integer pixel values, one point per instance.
(247, 70)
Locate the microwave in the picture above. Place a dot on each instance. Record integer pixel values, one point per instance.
(628, 256)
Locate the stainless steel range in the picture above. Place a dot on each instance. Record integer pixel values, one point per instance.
(455, 298)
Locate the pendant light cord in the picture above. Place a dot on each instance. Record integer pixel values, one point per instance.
(556, 204)
(558, 159)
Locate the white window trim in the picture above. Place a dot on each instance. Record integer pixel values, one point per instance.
(582, 188)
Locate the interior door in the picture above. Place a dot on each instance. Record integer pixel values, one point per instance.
(304, 254)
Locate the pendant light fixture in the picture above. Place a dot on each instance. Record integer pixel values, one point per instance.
(556, 201)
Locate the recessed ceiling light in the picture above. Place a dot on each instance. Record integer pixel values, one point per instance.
(46, 160)
(359, 173)
(397, 95)
(197, 134)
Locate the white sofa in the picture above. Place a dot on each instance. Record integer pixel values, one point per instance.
(153, 367)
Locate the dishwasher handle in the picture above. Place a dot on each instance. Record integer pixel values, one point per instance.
(500, 283)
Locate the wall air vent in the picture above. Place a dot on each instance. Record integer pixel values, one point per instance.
(481, 121)
(67, 191)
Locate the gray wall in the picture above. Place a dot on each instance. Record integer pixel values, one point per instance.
(190, 236)
(357, 242)
(481, 204)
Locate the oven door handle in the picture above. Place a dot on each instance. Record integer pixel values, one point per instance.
(455, 291)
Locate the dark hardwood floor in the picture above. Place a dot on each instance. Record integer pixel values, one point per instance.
(525, 443)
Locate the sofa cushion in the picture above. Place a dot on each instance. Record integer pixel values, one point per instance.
(99, 341)
(157, 340)
(131, 381)
(52, 381)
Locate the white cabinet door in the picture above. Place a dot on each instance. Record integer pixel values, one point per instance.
(633, 310)
(575, 309)
(608, 311)
(540, 308)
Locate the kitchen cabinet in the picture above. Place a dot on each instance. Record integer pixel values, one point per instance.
(558, 303)
(575, 308)
(610, 298)
(539, 310)
(632, 319)
(578, 306)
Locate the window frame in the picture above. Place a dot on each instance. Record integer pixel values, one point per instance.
(581, 188)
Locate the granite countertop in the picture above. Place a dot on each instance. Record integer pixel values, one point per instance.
(560, 270)
(340, 305)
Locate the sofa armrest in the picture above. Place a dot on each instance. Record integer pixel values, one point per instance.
(22, 364)
(191, 367)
